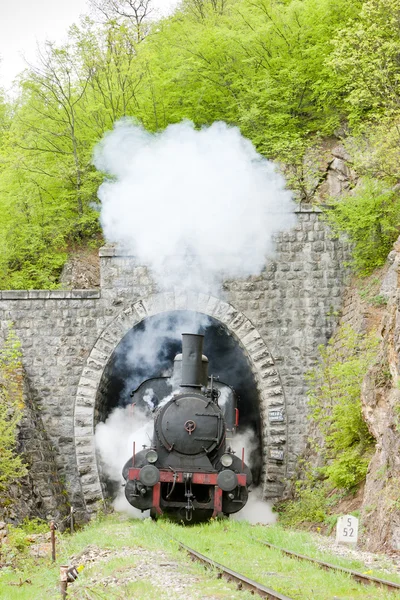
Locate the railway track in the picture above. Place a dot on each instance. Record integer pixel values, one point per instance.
(359, 577)
(242, 581)
(245, 583)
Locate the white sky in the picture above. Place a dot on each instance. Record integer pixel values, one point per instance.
(24, 23)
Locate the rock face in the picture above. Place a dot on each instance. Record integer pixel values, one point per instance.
(326, 173)
(81, 271)
(340, 177)
(380, 504)
(381, 409)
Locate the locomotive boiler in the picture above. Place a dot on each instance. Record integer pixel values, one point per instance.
(189, 471)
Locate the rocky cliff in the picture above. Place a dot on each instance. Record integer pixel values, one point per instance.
(381, 408)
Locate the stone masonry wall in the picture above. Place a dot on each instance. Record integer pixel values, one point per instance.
(40, 493)
(295, 305)
(279, 317)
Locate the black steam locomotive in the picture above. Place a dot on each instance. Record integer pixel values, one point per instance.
(190, 471)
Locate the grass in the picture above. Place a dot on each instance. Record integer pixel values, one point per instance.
(129, 547)
(231, 543)
(305, 543)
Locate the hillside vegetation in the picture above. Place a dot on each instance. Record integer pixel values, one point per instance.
(287, 72)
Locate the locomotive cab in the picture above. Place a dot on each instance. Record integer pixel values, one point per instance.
(190, 471)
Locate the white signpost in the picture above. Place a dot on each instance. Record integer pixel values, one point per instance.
(347, 530)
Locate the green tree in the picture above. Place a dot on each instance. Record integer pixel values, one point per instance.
(260, 64)
(370, 217)
(48, 183)
(366, 60)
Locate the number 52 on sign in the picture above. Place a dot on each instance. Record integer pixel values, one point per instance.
(347, 530)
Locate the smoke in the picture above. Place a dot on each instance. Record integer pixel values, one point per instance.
(244, 440)
(144, 354)
(114, 438)
(149, 399)
(224, 397)
(256, 510)
(114, 442)
(195, 206)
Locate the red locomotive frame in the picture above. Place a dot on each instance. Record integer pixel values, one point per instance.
(209, 479)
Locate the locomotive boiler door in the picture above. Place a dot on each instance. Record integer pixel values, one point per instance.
(191, 424)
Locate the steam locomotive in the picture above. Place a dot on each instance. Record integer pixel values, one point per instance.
(189, 471)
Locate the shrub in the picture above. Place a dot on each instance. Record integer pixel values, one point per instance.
(310, 504)
(344, 445)
(370, 218)
(349, 468)
(335, 390)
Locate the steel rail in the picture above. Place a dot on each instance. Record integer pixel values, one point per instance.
(242, 581)
(360, 577)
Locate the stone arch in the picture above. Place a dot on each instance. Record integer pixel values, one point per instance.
(267, 378)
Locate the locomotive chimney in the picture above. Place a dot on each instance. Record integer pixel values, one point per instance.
(192, 360)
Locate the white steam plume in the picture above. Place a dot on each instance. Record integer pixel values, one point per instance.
(114, 442)
(256, 509)
(196, 206)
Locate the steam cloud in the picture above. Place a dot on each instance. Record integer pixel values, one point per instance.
(256, 510)
(114, 442)
(195, 206)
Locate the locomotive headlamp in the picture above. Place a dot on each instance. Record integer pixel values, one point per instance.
(226, 460)
(149, 475)
(151, 456)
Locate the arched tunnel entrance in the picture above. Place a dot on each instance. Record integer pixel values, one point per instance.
(147, 351)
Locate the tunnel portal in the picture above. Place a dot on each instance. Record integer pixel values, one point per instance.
(148, 350)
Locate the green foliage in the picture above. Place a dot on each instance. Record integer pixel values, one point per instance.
(335, 388)
(396, 410)
(366, 60)
(19, 539)
(258, 64)
(120, 546)
(370, 217)
(345, 445)
(367, 74)
(309, 505)
(349, 468)
(287, 73)
(34, 525)
(11, 405)
(374, 148)
(379, 300)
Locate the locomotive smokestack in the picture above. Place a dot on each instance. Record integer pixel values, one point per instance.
(192, 367)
